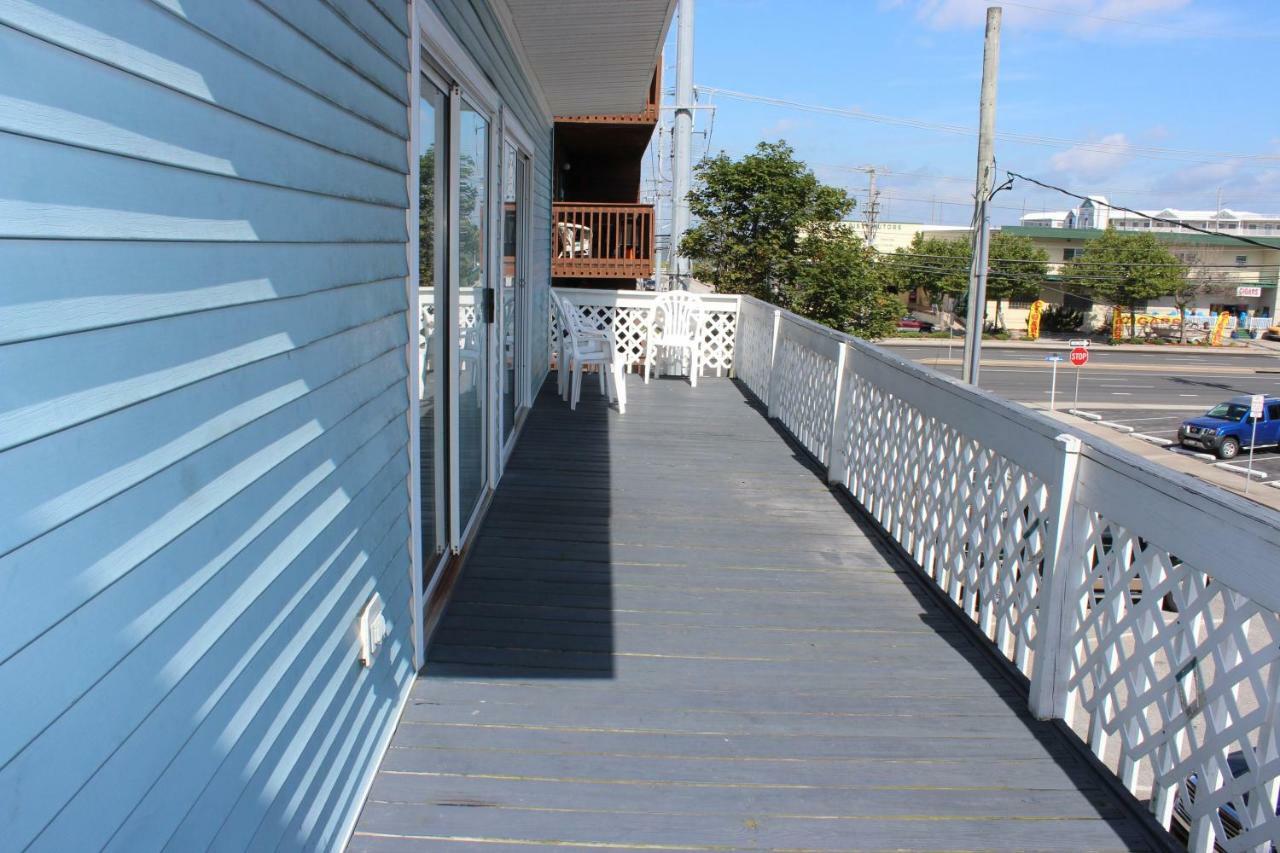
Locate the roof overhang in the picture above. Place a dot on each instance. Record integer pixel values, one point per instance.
(590, 57)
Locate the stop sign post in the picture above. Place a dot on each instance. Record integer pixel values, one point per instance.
(1079, 357)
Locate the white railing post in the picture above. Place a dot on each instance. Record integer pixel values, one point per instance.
(773, 362)
(1048, 697)
(737, 336)
(836, 462)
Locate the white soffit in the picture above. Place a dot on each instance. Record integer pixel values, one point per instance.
(591, 57)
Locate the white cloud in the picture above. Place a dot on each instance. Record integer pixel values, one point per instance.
(779, 128)
(1093, 160)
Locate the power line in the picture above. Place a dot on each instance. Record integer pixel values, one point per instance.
(1117, 190)
(962, 270)
(1089, 263)
(1147, 151)
(1174, 222)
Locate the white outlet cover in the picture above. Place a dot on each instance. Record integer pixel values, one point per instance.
(372, 628)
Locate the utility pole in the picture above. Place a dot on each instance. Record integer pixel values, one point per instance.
(982, 196)
(871, 213)
(682, 143)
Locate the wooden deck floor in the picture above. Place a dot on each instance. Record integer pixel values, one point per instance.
(673, 636)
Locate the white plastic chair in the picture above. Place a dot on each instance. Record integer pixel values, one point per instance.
(582, 346)
(674, 323)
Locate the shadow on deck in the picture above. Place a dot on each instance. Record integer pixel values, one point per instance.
(673, 635)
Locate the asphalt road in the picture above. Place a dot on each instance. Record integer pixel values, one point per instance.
(1152, 393)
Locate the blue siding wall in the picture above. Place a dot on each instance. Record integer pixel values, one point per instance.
(203, 417)
(477, 29)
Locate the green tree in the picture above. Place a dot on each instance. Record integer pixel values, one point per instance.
(938, 266)
(836, 285)
(1016, 269)
(753, 215)
(1127, 270)
(1189, 290)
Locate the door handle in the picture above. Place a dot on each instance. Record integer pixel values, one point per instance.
(488, 305)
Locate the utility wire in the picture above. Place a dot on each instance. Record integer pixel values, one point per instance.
(896, 254)
(1173, 222)
(1147, 151)
(969, 180)
(958, 270)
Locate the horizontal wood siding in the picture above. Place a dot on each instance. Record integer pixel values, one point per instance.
(477, 29)
(203, 417)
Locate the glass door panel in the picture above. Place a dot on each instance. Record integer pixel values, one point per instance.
(471, 314)
(433, 291)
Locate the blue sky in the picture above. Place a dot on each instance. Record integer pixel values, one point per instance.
(1143, 77)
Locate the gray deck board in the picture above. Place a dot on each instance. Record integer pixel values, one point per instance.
(671, 635)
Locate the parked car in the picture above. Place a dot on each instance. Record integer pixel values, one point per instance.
(1226, 429)
(911, 324)
(1272, 334)
(1230, 817)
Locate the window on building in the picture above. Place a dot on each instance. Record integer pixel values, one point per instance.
(1241, 260)
(1070, 254)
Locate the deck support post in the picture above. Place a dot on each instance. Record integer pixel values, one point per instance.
(1048, 697)
(773, 361)
(837, 463)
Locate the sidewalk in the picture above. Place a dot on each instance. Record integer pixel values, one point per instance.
(1234, 348)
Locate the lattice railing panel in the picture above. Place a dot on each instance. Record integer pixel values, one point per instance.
(972, 519)
(1174, 681)
(754, 351)
(629, 323)
(803, 395)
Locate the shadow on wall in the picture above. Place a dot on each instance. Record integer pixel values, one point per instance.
(206, 395)
(536, 595)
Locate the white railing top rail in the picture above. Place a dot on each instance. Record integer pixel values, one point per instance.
(641, 298)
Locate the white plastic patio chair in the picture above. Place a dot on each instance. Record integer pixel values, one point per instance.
(582, 346)
(674, 324)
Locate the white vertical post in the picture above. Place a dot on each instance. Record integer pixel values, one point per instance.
(1061, 568)
(682, 144)
(1053, 386)
(836, 463)
(773, 360)
(1248, 478)
(415, 378)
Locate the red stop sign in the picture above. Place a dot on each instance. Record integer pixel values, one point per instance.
(1079, 356)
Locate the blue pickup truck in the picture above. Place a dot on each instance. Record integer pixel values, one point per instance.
(1226, 429)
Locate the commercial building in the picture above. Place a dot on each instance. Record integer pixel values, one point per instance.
(1097, 213)
(1236, 277)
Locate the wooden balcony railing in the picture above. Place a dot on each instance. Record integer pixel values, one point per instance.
(602, 240)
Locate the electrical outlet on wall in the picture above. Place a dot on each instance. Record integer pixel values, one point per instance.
(372, 627)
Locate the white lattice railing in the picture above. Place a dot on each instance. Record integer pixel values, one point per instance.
(626, 312)
(1143, 606)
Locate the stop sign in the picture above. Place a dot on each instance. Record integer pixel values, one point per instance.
(1079, 356)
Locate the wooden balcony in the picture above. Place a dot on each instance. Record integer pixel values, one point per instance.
(648, 116)
(602, 240)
